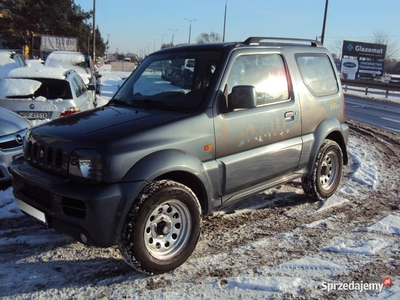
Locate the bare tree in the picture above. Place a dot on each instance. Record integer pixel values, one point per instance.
(205, 38)
(380, 37)
(336, 49)
(392, 51)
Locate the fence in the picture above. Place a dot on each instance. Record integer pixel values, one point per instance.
(387, 87)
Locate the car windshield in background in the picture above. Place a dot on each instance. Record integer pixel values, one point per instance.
(177, 81)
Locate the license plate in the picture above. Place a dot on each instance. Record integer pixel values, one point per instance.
(37, 214)
(34, 115)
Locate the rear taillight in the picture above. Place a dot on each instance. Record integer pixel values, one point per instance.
(69, 111)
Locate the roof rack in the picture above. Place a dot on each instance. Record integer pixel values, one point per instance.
(280, 40)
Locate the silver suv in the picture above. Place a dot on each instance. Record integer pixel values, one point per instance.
(142, 170)
(12, 132)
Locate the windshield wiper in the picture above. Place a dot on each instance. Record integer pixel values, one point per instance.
(120, 102)
(148, 103)
(154, 103)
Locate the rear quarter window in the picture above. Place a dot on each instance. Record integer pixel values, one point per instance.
(317, 73)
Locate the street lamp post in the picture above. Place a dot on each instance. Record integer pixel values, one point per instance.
(226, 6)
(94, 31)
(323, 26)
(190, 26)
(173, 30)
(154, 46)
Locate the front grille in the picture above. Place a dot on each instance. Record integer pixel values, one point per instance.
(46, 157)
(9, 144)
(12, 141)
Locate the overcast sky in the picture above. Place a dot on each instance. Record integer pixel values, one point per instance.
(132, 26)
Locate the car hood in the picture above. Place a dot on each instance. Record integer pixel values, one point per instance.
(11, 123)
(101, 125)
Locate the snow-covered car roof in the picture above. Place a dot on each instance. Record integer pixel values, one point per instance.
(46, 72)
(71, 60)
(68, 60)
(36, 63)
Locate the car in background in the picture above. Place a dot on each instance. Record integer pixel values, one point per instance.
(12, 132)
(35, 63)
(187, 74)
(44, 94)
(182, 74)
(166, 70)
(77, 61)
(10, 60)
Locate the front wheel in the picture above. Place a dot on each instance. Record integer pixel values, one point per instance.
(162, 228)
(326, 173)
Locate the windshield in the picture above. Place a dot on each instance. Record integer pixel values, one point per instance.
(169, 81)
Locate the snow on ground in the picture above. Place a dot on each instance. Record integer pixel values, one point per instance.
(303, 276)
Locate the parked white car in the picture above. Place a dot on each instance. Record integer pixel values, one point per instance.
(77, 61)
(10, 60)
(12, 132)
(44, 94)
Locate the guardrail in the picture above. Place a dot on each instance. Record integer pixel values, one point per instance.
(388, 87)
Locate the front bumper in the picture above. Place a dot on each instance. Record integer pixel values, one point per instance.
(91, 214)
(6, 158)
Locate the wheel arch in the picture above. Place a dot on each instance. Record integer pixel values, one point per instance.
(333, 130)
(175, 165)
(192, 182)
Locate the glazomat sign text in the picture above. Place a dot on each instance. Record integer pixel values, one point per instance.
(359, 49)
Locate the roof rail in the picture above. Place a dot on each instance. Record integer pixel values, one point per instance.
(280, 40)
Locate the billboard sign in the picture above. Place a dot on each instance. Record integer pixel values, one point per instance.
(53, 43)
(359, 49)
(370, 67)
(349, 67)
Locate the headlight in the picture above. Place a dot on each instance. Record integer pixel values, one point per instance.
(86, 165)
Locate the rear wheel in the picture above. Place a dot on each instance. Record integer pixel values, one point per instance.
(326, 173)
(162, 228)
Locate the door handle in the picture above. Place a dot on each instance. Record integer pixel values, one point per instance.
(289, 116)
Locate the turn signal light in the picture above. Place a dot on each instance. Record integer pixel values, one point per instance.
(207, 147)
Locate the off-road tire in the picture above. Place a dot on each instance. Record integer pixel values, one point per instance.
(162, 228)
(326, 174)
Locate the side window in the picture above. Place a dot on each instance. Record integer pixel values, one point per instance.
(266, 72)
(75, 87)
(317, 73)
(19, 60)
(79, 85)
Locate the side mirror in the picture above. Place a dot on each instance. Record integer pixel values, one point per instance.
(91, 87)
(242, 96)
